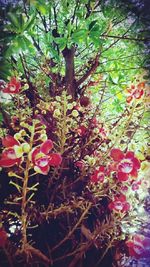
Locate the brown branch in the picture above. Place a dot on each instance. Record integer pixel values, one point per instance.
(32, 252)
(125, 38)
(90, 71)
(74, 228)
(63, 208)
(70, 82)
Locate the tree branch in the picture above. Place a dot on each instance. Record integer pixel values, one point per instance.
(90, 71)
(125, 38)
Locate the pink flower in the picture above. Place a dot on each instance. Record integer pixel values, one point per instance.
(98, 175)
(41, 158)
(128, 164)
(139, 246)
(13, 87)
(9, 157)
(119, 204)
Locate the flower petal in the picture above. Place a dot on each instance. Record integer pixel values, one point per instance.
(121, 176)
(47, 146)
(6, 162)
(136, 163)
(129, 155)
(43, 170)
(55, 159)
(9, 141)
(134, 173)
(116, 154)
(35, 151)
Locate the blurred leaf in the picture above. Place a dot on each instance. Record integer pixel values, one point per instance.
(79, 35)
(14, 20)
(29, 24)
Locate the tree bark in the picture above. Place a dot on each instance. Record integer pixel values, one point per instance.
(70, 81)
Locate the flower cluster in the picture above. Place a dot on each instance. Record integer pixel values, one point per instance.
(40, 157)
(135, 91)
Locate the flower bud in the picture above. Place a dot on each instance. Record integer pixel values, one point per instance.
(26, 86)
(25, 147)
(56, 113)
(58, 98)
(17, 136)
(75, 113)
(43, 137)
(96, 130)
(70, 106)
(22, 132)
(18, 151)
(10, 174)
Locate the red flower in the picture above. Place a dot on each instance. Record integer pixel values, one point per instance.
(139, 246)
(40, 161)
(119, 204)
(9, 157)
(3, 237)
(41, 158)
(128, 164)
(13, 87)
(98, 175)
(81, 130)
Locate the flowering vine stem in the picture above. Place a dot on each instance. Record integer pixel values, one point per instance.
(123, 131)
(74, 228)
(24, 195)
(105, 251)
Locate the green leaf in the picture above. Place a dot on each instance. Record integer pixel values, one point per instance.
(30, 23)
(14, 20)
(79, 35)
(28, 43)
(91, 25)
(61, 41)
(5, 70)
(114, 78)
(1, 118)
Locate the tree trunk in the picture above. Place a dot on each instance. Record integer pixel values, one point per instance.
(70, 81)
